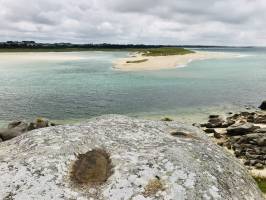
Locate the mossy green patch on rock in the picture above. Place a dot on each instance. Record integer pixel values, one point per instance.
(167, 119)
(93, 167)
(261, 183)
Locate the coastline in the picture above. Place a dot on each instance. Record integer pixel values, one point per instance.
(165, 62)
(38, 56)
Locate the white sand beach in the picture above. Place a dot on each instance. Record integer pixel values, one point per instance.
(23, 57)
(165, 62)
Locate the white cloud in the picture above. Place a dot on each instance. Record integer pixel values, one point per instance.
(210, 22)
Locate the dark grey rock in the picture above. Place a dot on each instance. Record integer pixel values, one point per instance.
(215, 122)
(214, 116)
(252, 136)
(22, 127)
(253, 142)
(220, 143)
(227, 123)
(53, 124)
(259, 166)
(13, 124)
(263, 105)
(247, 162)
(228, 145)
(251, 119)
(260, 130)
(217, 135)
(238, 153)
(261, 141)
(210, 130)
(245, 114)
(260, 119)
(7, 134)
(203, 125)
(253, 162)
(254, 157)
(235, 116)
(31, 126)
(241, 129)
(235, 138)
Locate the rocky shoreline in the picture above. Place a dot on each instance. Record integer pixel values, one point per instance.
(244, 133)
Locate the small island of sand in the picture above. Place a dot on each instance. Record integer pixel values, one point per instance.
(141, 61)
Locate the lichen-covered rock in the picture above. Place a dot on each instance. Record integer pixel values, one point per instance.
(143, 160)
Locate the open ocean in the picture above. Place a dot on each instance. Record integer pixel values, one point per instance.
(75, 90)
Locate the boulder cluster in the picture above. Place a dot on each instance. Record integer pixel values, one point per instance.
(244, 133)
(19, 127)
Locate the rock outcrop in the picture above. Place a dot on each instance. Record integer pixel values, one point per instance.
(17, 128)
(241, 129)
(216, 121)
(118, 158)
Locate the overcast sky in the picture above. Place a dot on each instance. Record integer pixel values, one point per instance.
(207, 22)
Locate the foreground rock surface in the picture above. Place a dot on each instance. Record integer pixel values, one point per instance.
(149, 159)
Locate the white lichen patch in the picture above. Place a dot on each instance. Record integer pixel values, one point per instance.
(37, 164)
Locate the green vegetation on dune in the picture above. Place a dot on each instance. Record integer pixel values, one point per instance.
(165, 51)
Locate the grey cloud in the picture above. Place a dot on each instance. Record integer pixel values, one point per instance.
(217, 22)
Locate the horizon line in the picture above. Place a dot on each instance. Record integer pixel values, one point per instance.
(139, 44)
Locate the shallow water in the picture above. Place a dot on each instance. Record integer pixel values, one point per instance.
(86, 86)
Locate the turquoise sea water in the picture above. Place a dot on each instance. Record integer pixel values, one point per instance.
(74, 90)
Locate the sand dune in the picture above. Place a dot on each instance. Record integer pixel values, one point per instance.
(165, 62)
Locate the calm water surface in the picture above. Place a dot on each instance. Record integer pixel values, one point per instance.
(77, 89)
